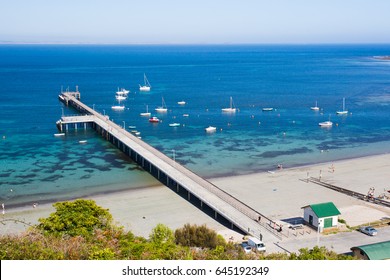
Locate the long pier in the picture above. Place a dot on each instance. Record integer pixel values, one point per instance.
(170, 172)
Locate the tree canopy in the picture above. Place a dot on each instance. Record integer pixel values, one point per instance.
(76, 218)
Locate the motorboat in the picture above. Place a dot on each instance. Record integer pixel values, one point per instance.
(211, 129)
(154, 120)
(231, 109)
(325, 124)
(181, 103)
(267, 109)
(120, 97)
(174, 124)
(59, 134)
(83, 141)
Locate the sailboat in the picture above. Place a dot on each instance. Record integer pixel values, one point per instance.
(146, 86)
(162, 108)
(147, 113)
(315, 108)
(118, 107)
(231, 109)
(327, 123)
(122, 91)
(343, 112)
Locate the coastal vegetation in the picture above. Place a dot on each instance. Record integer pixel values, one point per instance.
(82, 230)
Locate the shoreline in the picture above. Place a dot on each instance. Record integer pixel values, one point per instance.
(279, 195)
(27, 204)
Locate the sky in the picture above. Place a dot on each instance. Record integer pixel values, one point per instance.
(195, 21)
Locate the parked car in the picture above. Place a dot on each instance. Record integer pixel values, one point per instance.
(245, 246)
(369, 230)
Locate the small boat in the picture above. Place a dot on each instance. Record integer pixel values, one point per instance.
(83, 141)
(231, 109)
(267, 109)
(147, 113)
(328, 123)
(174, 124)
(186, 115)
(146, 86)
(181, 103)
(315, 108)
(118, 107)
(120, 97)
(132, 126)
(325, 124)
(154, 120)
(211, 129)
(162, 108)
(343, 112)
(135, 132)
(122, 91)
(59, 134)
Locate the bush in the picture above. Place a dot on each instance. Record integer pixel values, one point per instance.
(198, 236)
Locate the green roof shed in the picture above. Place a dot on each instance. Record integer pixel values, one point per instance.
(326, 209)
(376, 251)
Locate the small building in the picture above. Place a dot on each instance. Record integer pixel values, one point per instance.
(321, 216)
(376, 251)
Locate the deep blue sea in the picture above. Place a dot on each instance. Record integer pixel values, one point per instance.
(36, 166)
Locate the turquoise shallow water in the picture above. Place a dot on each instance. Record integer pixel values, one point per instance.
(37, 166)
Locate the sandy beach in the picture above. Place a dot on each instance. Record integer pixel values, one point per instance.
(279, 195)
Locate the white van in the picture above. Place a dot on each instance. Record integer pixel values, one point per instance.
(256, 244)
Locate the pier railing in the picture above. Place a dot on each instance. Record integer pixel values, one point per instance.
(357, 195)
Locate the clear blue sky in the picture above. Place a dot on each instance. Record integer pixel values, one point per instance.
(195, 21)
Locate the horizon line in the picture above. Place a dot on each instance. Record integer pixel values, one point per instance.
(191, 44)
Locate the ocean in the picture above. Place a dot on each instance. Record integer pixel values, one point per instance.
(35, 166)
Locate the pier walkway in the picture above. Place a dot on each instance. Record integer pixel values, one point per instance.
(172, 173)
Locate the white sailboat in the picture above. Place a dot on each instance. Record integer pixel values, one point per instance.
(343, 112)
(327, 123)
(315, 108)
(122, 91)
(231, 109)
(118, 107)
(163, 108)
(147, 113)
(146, 86)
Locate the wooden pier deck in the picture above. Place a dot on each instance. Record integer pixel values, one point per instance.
(173, 174)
